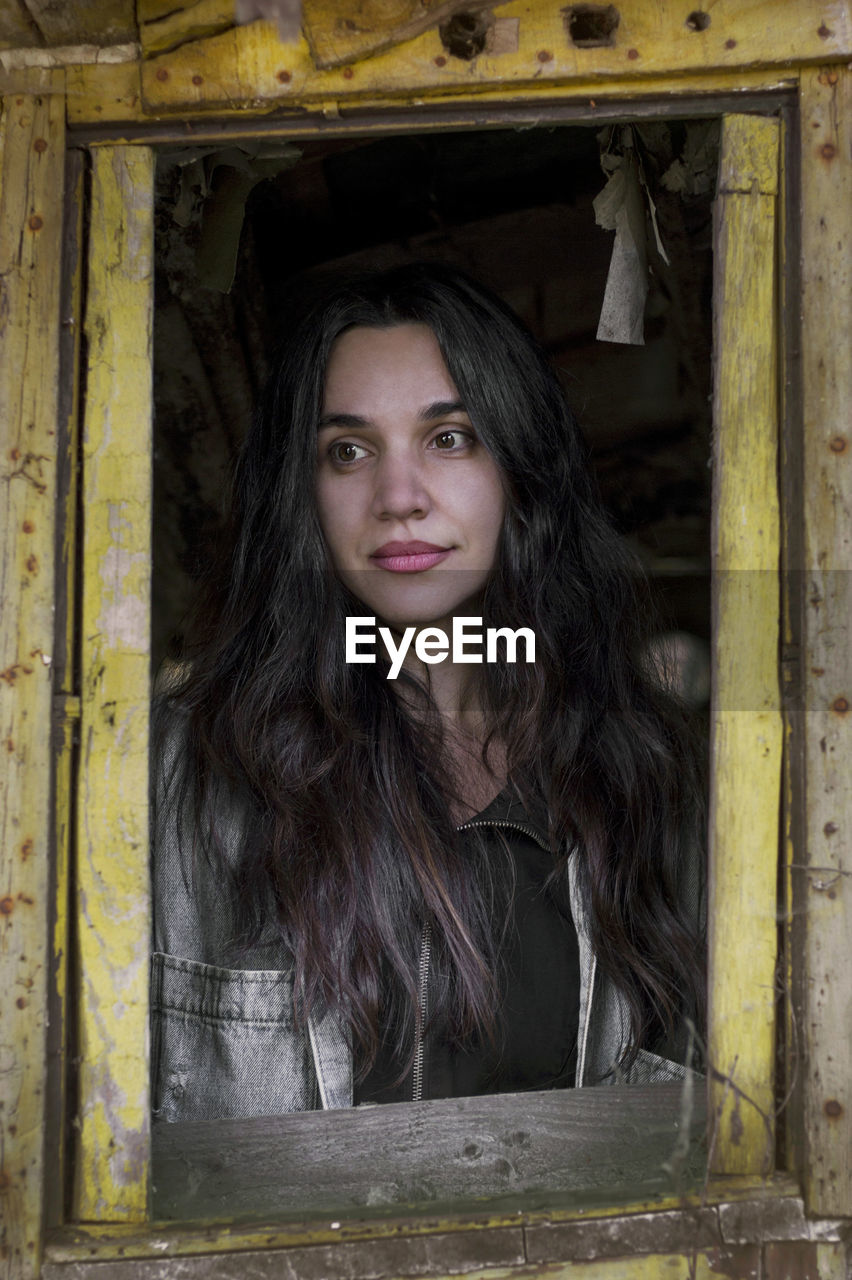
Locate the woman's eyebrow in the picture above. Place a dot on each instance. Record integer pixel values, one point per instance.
(354, 421)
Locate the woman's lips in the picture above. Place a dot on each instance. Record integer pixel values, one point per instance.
(409, 557)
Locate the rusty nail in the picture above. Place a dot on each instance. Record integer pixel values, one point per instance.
(7, 906)
(837, 445)
(35, 223)
(544, 55)
(32, 564)
(21, 1002)
(827, 77)
(829, 829)
(196, 79)
(633, 54)
(833, 1109)
(840, 705)
(824, 32)
(828, 151)
(284, 77)
(730, 44)
(348, 73)
(40, 145)
(162, 74)
(28, 526)
(440, 61)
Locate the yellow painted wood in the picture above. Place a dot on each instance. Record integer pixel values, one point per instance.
(99, 95)
(112, 831)
(101, 92)
(32, 140)
(250, 67)
(165, 26)
(747, 727)
(338, 35)
(826, 132)
(104, 1242)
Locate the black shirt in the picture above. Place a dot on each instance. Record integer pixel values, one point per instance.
(538, 978)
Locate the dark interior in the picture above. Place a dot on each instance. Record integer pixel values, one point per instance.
(512, 206)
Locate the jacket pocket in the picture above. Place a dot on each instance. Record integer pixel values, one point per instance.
(650, 1068)
(224, 1042)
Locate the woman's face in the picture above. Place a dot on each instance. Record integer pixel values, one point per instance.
(410, 501)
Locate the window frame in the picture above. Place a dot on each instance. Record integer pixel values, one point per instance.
(809, 473)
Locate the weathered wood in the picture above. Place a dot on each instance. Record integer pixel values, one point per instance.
(338, 35)
(595, 1144)
(66, 709)
(108, 1241)
(32, 161)
(826, 133)
(164, 26)
(248, 68)
(417, 1257)
(112, 829)
(84, 21)
(746, 734)
(105, 108)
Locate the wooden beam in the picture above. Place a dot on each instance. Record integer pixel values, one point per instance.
(826, 1033)
(250, 69)
(32, 163)
(600, 1144)
(112, 828)
(746, 733)
(83, 21)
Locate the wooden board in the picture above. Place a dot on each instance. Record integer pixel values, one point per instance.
(32, 161)
(826, 134)
(746, 733)
(250, 69)
(112, 828)
(83, 21)
(587, 1145)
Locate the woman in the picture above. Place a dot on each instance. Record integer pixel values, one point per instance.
(473, 877)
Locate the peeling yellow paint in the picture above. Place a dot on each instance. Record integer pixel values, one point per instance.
(112, 835)
(32, 143)
(746, 736)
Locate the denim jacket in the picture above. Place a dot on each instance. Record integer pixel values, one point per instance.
(224, 1042)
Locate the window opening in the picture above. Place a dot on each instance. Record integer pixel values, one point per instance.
(243, 234)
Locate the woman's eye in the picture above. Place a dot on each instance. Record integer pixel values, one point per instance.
(345, 451)
(449, 440)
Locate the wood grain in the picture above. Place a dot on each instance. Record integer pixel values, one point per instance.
(826, 110)
(112, 828)
(250, 69)
(32, 160)
(595, 1145)
(746, 733)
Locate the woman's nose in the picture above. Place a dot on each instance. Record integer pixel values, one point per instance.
(400, 490)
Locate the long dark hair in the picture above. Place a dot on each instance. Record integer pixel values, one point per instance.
(348, 840)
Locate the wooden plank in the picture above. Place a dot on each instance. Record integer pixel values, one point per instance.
(746, 734)
(339, 35)
(106, 1242)
(320, 1263)
(66, 709)
(32, 141)
(251, 68)
(112, 829)
(100, 97)
(17, 29)
(598, 1145)
(164, 26)
(83, 22)
(826, 140)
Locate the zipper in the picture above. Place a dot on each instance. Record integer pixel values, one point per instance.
(426, 953)
(506, 822)
(423, 990)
